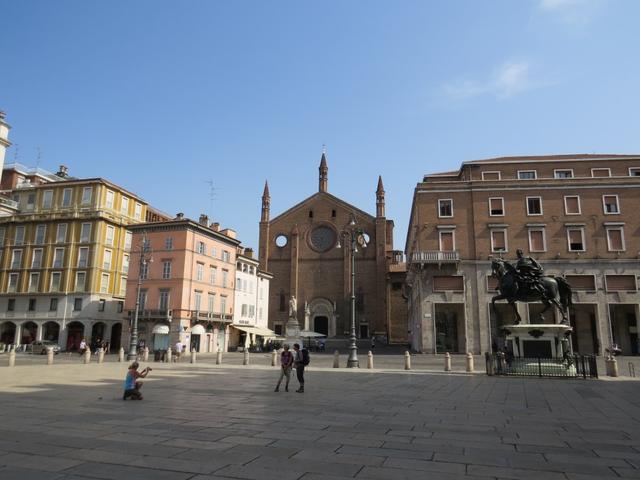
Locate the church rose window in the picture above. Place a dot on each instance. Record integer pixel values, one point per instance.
(281, 241)
(322, 238)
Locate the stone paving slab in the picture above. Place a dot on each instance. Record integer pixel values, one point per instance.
(205, 422)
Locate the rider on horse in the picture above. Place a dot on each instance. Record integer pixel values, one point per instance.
(529, 273)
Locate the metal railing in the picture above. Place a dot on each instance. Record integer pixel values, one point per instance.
(571, 366)
(435, 256)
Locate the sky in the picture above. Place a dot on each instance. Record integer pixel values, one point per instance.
(193, 105)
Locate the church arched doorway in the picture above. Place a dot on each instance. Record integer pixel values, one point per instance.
(321, 325)
(322, 317)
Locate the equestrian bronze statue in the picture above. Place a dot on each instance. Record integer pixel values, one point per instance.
(525, 282)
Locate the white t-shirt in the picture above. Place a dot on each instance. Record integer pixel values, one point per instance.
(178, 347)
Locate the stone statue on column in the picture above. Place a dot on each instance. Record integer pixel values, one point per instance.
(293, 307)
(307, 316)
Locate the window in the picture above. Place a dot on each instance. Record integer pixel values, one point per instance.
(252, 311)
(58, 257)
(168, 243)
(123, 286)
(120, 306)
(124, 206)
(572, 205)
(61, 233)
(575, 237)
(31, 201)
(83, 257)
(110, 234)
(498, 240)
(213, 252)
(527, 175)
(85, 233)
(496, 207)
(225, 277)
(16, 259)
(600, 172)
(109, 199)
(283, 302)
(144, 271)
(445, 208)
(77, 304)
(163, 300)
(86, 195)
(360, 300)
(47, 198)
(55, 282)
(41, 231)
(101, 304)
(226, 256)
(620, 283)
(34, 282)
(615, 239)
(537, 240)
(32, 305)
(447, 240)
(534, 206)
(451, 283)
(610, 203)
(106, 260)
(199, 272)
(634, 172)
(66, 197)
(201, 248)
(212, 275)
(53, 304)
(243, 310)
(277, 329)
(197, 300)
(104, 283)
(137, 211)
(490, 175)
(13, 282)
(166, 269)
(36, 258)
(2, 234)
(125, 263)
(19, 236)
(81, 278)
(211, 302)
(563, 173)
(223, 304)
(127, 240)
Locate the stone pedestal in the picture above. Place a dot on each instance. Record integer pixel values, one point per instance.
(538, 340)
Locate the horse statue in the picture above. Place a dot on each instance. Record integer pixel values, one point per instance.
(551, 291)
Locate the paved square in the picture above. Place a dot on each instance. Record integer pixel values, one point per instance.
(205, 422)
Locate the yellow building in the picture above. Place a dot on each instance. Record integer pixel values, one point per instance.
(65, 258)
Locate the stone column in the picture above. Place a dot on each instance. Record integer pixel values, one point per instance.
(216, 332)
(226, 338)
(18, 335)
(39, 331)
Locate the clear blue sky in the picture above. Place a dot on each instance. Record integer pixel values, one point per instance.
(161, 96)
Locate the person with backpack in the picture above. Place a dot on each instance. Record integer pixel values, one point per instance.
(300, 360)
(286, 361)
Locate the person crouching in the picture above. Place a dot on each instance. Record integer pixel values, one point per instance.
(131, 384)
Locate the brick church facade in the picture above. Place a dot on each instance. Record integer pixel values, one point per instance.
(303, 248)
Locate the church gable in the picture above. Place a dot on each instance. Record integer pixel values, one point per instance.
(321, 202)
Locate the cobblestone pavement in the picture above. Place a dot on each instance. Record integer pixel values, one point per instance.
(204, 422)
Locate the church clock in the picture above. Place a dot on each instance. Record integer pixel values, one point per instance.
(322, 238)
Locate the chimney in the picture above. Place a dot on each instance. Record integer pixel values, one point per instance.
(63, 171)
(179, 216)
(248, 252)
(229, 232)
(204, 220)
(215, 226)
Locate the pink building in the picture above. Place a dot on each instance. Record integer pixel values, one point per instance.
(187, 284)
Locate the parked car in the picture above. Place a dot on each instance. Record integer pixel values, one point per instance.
(40, 347)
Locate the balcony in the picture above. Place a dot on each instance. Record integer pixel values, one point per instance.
(437, 257)
(201, 316)
(151, 314)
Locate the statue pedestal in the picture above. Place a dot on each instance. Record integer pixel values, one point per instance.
(539, 340)
(292, 330)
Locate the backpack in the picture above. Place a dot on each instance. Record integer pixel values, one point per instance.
(305, 357)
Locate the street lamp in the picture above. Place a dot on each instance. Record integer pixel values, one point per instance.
(352, 235)
(145, 259)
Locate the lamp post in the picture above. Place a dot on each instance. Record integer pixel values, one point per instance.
(145, 259)
(352, 234)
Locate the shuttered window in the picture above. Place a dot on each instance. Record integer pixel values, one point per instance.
(446, 241)
(615, 239)
(498, 241)
(496, 206)
(453, 283)
(581, 282)
(492, 284)
(626, 283)
(572, 205)
(576, 242)
(536, 240)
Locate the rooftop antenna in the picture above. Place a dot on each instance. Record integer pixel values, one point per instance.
(15, 152)
(212, 194)
(38, 158)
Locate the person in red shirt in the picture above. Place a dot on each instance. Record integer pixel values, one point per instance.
(286, 362)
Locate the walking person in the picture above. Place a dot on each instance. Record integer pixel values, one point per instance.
(83, 346)
(131, 384)
(286, 362)
(300, 360)
(178, 350)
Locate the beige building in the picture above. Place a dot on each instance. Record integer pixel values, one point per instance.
(574, 213)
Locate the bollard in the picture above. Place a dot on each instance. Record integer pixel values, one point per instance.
(470, 362)
(274, 358)
(369, 359)
(193, 355)
(145, 354)
(336, 359)
(245, 357)
(101, 355)
(87, 356)
(168, 358)
(407, 360)
(612, 367)
(49, 356)
(447, 362)
(121, 354)
(12, 358)
(219, 358)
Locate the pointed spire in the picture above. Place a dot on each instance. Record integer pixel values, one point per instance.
(380, 198)
(266, 203)
(265, 194)
(324, 171)
(380, 186)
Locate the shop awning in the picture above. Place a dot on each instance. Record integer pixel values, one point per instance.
(197, 330)
(262, 331)
(161, 329)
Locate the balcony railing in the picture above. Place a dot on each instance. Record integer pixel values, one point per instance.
(435, 256)
(201, 315)
(151, 314)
